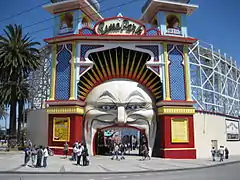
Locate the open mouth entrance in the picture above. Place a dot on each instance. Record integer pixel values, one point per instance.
(130, 137)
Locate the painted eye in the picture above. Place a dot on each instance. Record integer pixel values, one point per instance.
(133, 107)
(107, 107)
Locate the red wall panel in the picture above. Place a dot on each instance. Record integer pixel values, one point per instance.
(76, 129)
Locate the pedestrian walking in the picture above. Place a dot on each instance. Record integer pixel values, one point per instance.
(45, 156)
(66, 149)
(115, 152)
(27, 155)
(85, 155)
(221, 153)
(213, 152)
(39, 157)
(33, 155)
(74, 155)
(145, 152)
(226, 153)
(79, 154)
(122, 150)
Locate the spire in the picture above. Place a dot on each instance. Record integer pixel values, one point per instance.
(119, 15)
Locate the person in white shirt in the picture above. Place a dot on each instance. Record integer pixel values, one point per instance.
(45, 156)
(75, 151)
(221, 153)
(79, 154)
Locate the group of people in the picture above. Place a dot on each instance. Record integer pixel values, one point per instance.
(38, 156)
(80, 152)
(221, 152)
(119, 150)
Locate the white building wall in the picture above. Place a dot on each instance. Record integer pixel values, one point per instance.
(209, 127)
(37, 127)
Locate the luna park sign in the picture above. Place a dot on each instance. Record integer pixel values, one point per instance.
(119, 26)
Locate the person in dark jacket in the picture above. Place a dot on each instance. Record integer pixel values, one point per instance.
(226, 153)
(27, 155)
(122, 150)
(145, 152)
(39, 157)
(85, 155)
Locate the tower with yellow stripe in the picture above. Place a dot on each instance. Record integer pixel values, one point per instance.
(176, 110)
(63, 104)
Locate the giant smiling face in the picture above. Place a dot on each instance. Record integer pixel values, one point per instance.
(119, 102)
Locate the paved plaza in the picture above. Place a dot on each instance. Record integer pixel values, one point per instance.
(12, 162)
(228, 172)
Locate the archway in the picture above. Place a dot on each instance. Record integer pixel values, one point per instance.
(130, 137)
(119, 91)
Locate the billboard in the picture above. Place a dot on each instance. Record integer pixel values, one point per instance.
(179, 130)
(61, 129)
(232, 130)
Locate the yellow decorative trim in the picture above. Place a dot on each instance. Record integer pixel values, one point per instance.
(186, 69)
(72, 88)
(92, 79)
(112, 66)
(117, 66)
(128, 59)
(65, 110)
(140, 72)
(132, 65)
(102, 68)
(167, 86)
(143, 76)
(62, 131)
(122, 64)
(58, 147)
(53, 71)
(108, 69)
(177, 149)
(176, 110)
(137, 68)
(179, 130)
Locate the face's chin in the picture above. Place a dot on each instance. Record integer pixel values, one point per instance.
(108, 105)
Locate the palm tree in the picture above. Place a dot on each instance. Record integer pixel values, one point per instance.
(18, 57)
(22, 98)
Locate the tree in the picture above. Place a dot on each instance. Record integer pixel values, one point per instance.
(22, 97)
(18, 57)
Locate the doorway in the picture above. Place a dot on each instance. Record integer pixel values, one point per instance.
(131, 138)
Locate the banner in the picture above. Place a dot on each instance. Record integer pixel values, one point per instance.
(61, 129)
(179, 129)
(232, 129)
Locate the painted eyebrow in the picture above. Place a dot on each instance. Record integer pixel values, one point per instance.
(135, 93)
(107, 93)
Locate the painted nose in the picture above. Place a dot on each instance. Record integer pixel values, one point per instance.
(121, 119)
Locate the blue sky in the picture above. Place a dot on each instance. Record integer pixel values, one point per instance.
(215, 21)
